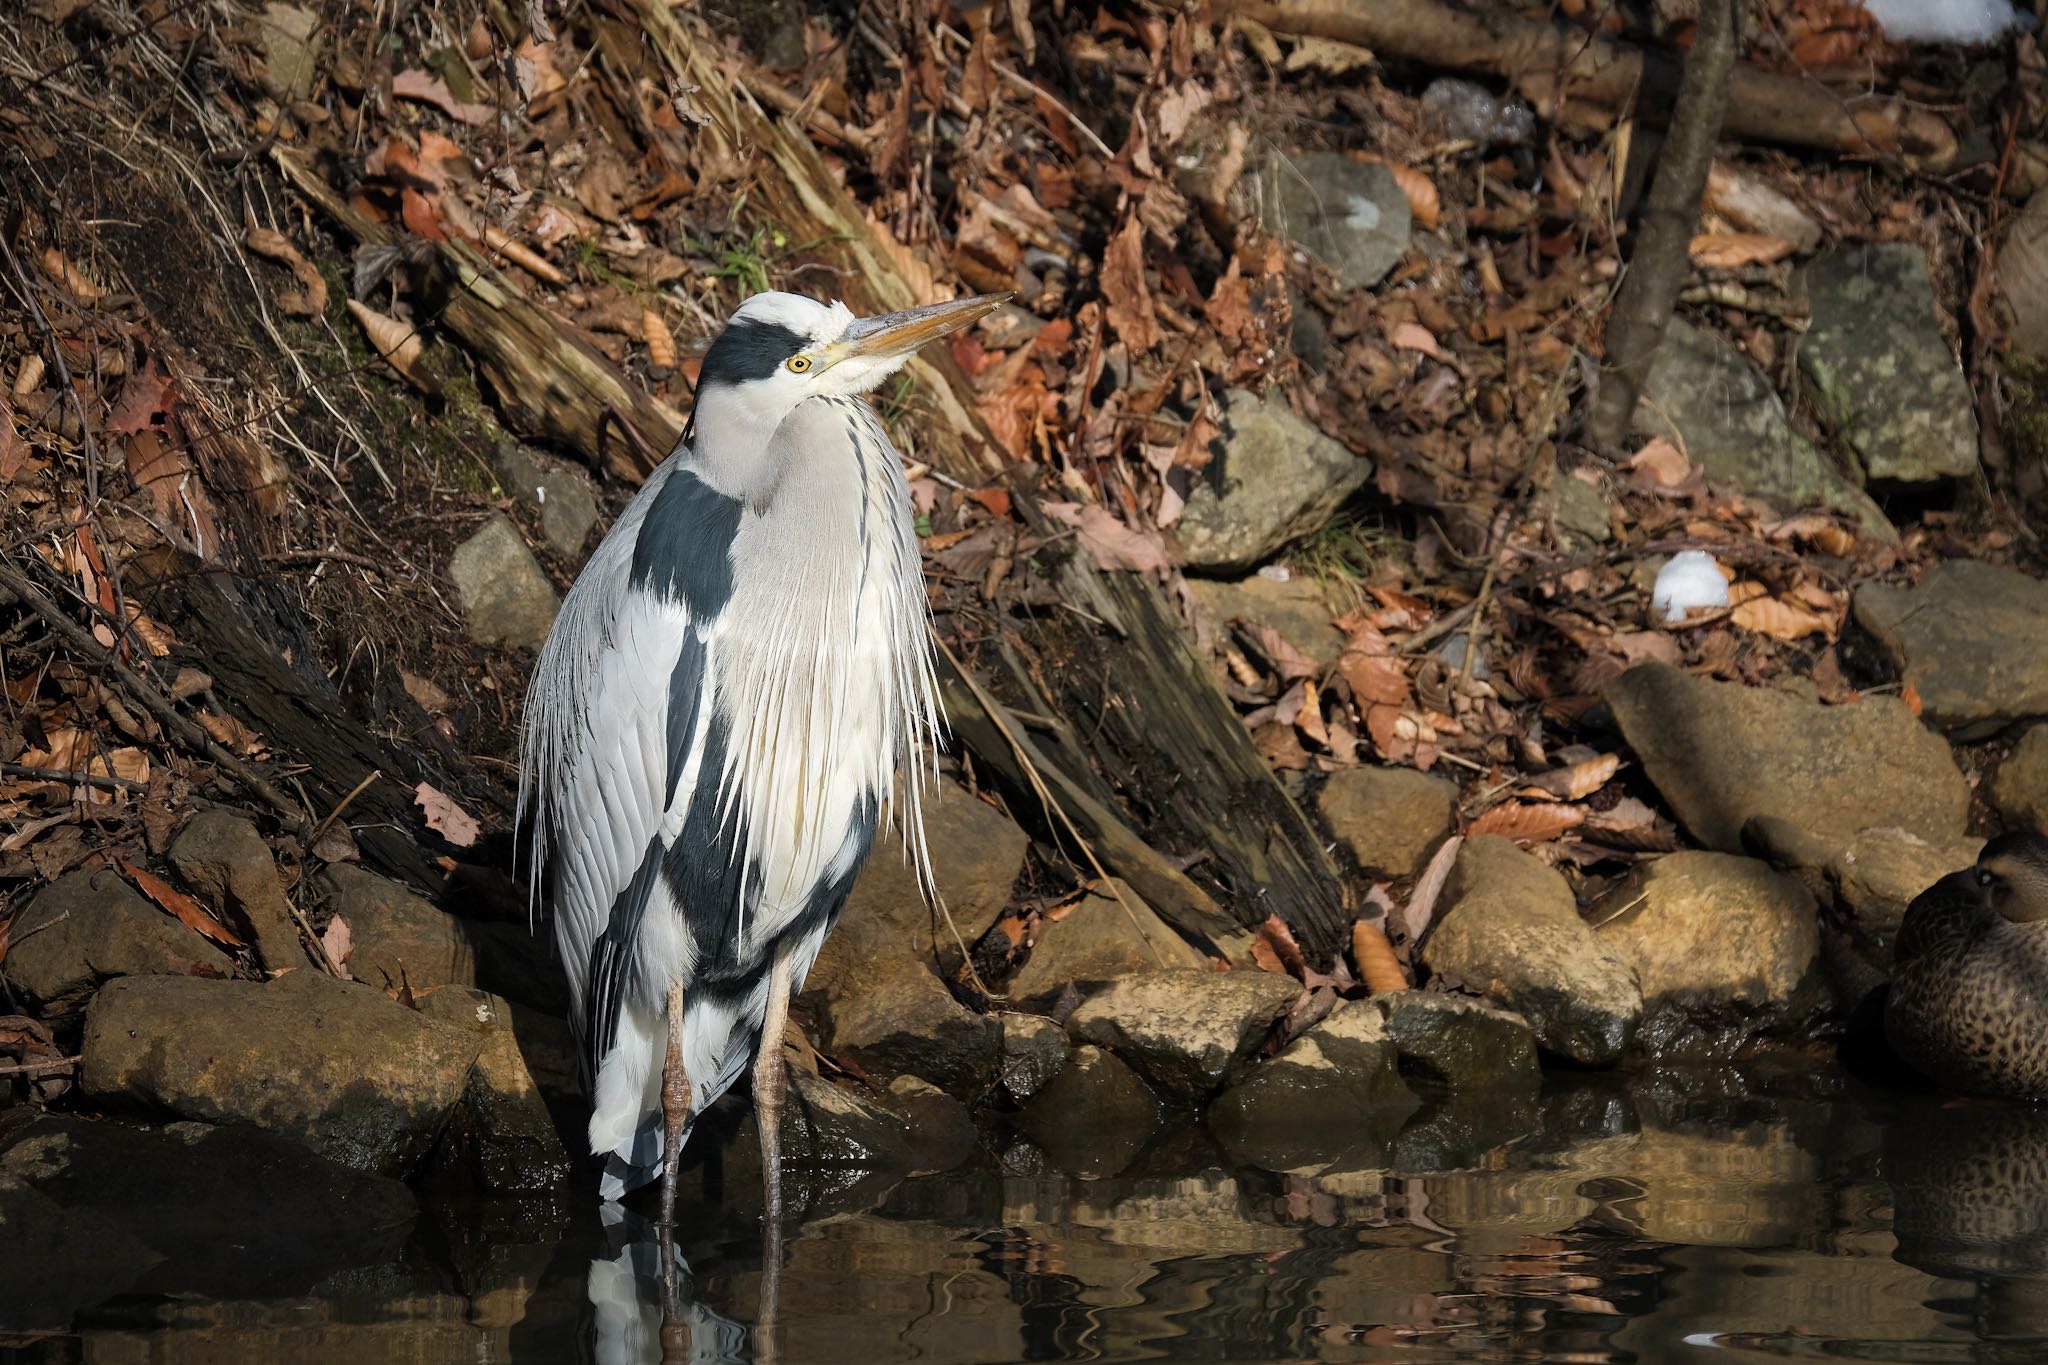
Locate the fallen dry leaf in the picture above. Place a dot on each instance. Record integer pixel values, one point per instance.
(1110, 543)
(444, 817)
(338, 943)
(1910, 695)
(398, 342)
(1374, 956)
(1130, 309)
(1733, 250)
(1528, 824)
(1661, 462)
(190, 912)
(311, 299)
(1575, 782)
(418, 85)
(1756, 610)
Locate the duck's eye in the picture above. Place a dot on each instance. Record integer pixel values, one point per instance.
(1985, 879)
(799, 363)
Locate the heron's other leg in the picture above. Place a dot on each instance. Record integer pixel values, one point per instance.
(771, 1081)
(675, 1106)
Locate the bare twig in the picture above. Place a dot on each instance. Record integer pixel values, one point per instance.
(25, 290)
(187, 730)
(73, 777)
(42, 1068)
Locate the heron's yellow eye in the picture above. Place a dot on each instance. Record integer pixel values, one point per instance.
(799, 363)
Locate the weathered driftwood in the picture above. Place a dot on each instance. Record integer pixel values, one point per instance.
(551, 382)
(1566, 71)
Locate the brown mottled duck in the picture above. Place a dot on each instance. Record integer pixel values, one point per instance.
(1969, 1002)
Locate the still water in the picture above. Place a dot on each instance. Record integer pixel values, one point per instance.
(1666, 1218)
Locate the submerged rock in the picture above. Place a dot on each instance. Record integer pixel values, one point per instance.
(940, 1129)
(505, 596)
(224, 859)
(505, 1127)
(1390, 818)
(1717, 941)
(1721, 754)
(839, 1148)
(1709, 400)
(334, 1065)
(1330, 1092)
(1093, 1117)
(1186, 1032)
(1110, 932)
(91, 1209)
(1881, 371)
(875, 991)
(1513, 934)
(1350, 215)
(89, 925)
(1972, 639)
(1276, 479)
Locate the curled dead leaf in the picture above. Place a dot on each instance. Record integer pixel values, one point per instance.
(1733, 250)
(1529, 824)
(1110, 543)
(1776, 617)
(661, 344)
(1575, 782)
(444, 817)
(188, 911)
(311, 298)
(398, 342)
(1374, 956)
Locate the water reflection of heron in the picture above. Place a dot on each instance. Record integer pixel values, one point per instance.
(642, 1315)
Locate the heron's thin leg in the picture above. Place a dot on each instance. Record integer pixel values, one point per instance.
(675, 1107)
(771, 1080)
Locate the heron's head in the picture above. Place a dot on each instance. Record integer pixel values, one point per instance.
(2012, 874)
(779, 349)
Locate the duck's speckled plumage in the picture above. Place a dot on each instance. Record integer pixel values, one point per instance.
(1969, 1005)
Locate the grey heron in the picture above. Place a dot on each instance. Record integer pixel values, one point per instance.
(738, 686)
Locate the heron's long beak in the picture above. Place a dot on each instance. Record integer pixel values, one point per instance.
(895, 334)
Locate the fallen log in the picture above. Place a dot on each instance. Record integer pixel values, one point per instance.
(1574, 76)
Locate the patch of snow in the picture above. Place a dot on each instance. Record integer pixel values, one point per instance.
(1691, 579)
(1966, 23)
(1363, 216)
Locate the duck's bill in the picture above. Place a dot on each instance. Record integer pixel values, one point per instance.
(897, 334)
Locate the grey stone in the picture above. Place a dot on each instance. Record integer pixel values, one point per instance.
(1035, 1050)
(1390, 818)
(289, 37)
(1094, 1116)
(1460, 1042)
(1513, 934)
(1295, 607)
(2022, 268)
(397, 938)
(336, 1066)
(1351, 216)
(1579, 510)
(1877, 876)
(505, 1126)
(568, 509)
(88, 926)
(505, 596)
(1186, 1032)
(1882, 373)
(1109, 932)
(1717, 938)
(939, 1128)
(1330, 1091)
(224, 859)
(2020, 787)
(1709, 400)
(1276, 479)
(402, 940)
(875, 991)
(89, 1209)
(1721, 754)
(1971, 637)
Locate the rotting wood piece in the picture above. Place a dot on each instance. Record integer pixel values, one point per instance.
(549, 380)
(217, 633)
(1002, 747)
(1565, 72)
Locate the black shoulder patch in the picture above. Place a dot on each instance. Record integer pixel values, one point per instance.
(684, 549)
(749, 349)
